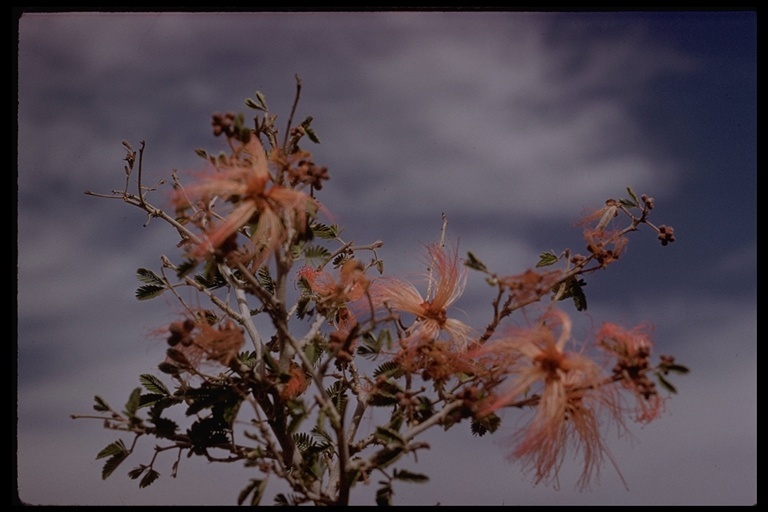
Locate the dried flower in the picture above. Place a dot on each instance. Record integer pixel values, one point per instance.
(197, 340)
(632, 349)
(333, 296)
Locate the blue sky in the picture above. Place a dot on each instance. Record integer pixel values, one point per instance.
(511, 123)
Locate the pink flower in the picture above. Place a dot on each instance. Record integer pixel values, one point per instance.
(333, 296)
(566, 389)
(632, 349)
(446, 284)
(271, 210)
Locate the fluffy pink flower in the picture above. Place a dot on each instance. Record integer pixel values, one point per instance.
(566, 389)
(447, 281)
(270, 209)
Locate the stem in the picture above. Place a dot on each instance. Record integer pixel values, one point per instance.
(293, 111)
(141, 160)
(245, 312)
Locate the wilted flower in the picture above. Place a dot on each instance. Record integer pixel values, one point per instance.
(632, 349)
(333, 296)
(295, 382)
(350, 286)
(605, 245)
(198, 340)
(531, 285)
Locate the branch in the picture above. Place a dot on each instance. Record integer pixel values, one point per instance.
(245, 312)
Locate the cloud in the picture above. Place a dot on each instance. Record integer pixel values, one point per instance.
(548, 137)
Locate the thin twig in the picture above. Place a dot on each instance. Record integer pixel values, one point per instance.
(141, 161)
(293, 111)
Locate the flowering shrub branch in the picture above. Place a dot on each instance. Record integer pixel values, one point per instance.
(305, 335)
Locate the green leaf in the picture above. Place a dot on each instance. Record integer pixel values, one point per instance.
(388, 369)
(303, 440)
(239, 126)
(371, 347)
(150, 477)
(666, 384)
(424, 410)
(312, 135)
(262, 100)
(136, 472)
(302, 306)
(573, 289)
(150, 399)
(178, 356)
(633, 196)
(474, 263)
(385, 394)
(628, 203)
(185, 268)
(149, 277)
(115, 448)
(265, 279)
(324, 231)
(153, 384)
(676, 368)
(286, 501)
(260, 103)
(149, 291)
(100, 405)
(325, 437)
(164, 428)
(546, 258)
(132, 405)
(112, 464)
(254, 486)
(169, 368)
(309, 131)
(487, 424)
(337, 393)
(384, 496)
(339, 260)
(579, 299)
(407, 476)
(389, 436)
(211, 281)
(316, 252)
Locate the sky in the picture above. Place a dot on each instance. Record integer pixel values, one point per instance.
(512, 124)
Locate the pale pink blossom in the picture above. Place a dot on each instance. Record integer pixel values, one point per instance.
(270, 210)
(447, 281)
(565, 387)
